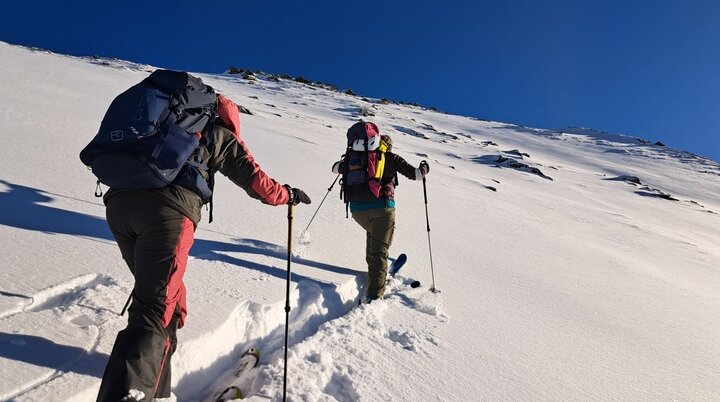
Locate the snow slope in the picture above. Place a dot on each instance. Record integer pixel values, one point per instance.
(562, 278)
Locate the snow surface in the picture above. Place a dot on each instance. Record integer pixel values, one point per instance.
(580, 285)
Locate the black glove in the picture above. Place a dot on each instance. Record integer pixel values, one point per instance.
(424, 168)
(296, 196)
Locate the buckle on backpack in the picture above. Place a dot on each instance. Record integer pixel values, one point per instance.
(117, 135)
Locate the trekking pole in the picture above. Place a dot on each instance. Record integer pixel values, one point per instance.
(287, 297)
(427, 218)
(321, 202)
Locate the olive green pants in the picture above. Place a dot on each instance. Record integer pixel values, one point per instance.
(380, 226)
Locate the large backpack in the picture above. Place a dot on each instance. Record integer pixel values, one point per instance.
(365, 158)
(150, 135)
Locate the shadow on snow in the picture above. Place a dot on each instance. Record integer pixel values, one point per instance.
(46, 353)
(23, 207)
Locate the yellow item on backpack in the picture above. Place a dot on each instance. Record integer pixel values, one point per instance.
(381, 163)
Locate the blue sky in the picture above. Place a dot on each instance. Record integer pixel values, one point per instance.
(644, 68)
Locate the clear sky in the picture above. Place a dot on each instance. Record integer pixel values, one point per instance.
(648, 68)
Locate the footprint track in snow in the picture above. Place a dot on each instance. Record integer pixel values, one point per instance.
(58, 295)
(78, 306)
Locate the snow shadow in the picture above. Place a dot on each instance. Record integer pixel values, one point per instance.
(46, 353)
(23, 207)
(352, 112)
(411, 132)
(9, 294)
(215, 251)
(655, 193)
(644, 190)
(500, 161)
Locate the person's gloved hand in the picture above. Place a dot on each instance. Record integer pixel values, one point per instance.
(424, 168)
(296, 196)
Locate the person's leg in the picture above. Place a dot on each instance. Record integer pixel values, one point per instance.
(163, 238)
(163, 389)
(380, 227)
(363, 219)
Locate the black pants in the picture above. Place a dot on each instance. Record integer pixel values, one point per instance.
(154, 240)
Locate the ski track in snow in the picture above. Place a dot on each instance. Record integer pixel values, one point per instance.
(49, 297)
(74, 303)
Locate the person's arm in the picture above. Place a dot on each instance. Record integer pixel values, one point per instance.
(230, 155)
(410, 171)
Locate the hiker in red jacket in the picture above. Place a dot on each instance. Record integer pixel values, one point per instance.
(154, 230)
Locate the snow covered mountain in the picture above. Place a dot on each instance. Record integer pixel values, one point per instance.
(573, 264)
